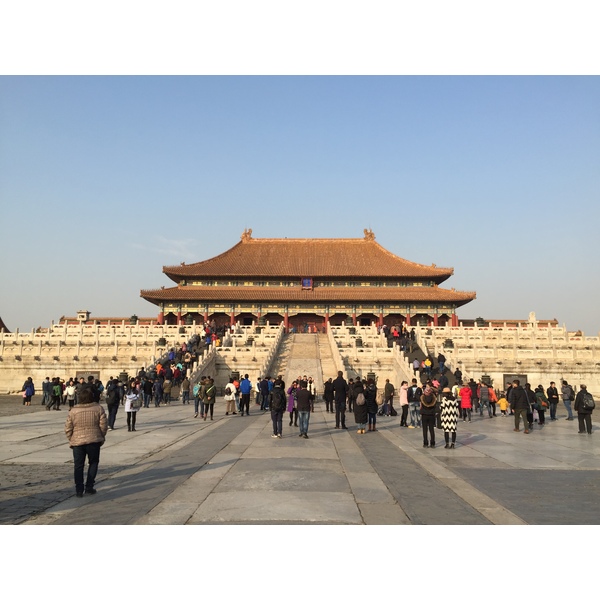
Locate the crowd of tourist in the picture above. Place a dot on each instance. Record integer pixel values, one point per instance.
(157, 384)
(270, 396)
(399, 335)
(429, 402)
(435, 405)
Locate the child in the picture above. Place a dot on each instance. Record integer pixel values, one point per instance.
(503, 403)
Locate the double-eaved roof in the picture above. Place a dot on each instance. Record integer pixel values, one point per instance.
(322, 260)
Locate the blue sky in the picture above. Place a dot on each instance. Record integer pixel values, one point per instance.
(103, 180)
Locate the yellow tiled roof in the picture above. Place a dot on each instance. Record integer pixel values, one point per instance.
(364, 294)
(294, 258)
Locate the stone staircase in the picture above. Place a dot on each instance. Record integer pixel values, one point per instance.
(328, 368)
(304, 358)
(420, 355)
(310, 354)
(279, 365)
(306, 354)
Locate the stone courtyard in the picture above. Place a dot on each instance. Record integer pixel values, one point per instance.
(179, 470)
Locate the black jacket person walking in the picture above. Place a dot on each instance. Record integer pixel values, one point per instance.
(519, 404)
(340, 393)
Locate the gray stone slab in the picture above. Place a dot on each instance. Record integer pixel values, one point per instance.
(383, 514)
(542, 497)
(12, 451)
(285, 474)
(49, 456)
(179, 506)
(451, 458)
(278, 507)
(369, 489)
(421, 496)
(169, 513)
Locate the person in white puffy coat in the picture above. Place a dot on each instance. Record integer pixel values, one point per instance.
(132, 404)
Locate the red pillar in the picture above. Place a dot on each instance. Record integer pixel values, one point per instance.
(454, 320)
(161, 318)
(380, 319)
(286, 323)
(435, 320)
(232, 319)
(205, 317)
(326, 321)
(408, 320)
(354, 317)
(178, 317)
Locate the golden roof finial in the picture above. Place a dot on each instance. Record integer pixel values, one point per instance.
(247, 235)
(369, 235)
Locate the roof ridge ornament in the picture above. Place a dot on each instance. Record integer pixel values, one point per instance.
(369, 235)
(247, 235)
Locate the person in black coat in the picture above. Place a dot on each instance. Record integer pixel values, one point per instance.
(519, 404)
(553, 398)
(584, 414)
(443, 381)
(458, 376)
(532, 400)
(429, 410)
(474, 395)
(360, 410)
(340, 393)
(371, 401)
(328, 395)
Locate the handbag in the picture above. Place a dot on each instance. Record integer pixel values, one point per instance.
(136, 403)
(380, 399)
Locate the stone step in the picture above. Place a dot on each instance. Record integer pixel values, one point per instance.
(304, 359)
(328, 368)
(279, 365)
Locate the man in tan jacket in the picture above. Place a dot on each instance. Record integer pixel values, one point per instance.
(86, 429)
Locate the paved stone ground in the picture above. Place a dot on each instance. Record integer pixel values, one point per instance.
(13, 405)
(179, 470)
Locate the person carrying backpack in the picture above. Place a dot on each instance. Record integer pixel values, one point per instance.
(584, 405)
(199, 396)
(567, 396)
(56, 395)
(210, 395)
(230, 398)
(28, 391)
(414, 403)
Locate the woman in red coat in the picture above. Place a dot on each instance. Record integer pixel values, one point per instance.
(465, 401)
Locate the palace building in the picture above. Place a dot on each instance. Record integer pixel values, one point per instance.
(308, 283)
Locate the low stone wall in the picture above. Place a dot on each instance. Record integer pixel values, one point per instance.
(540, 355)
